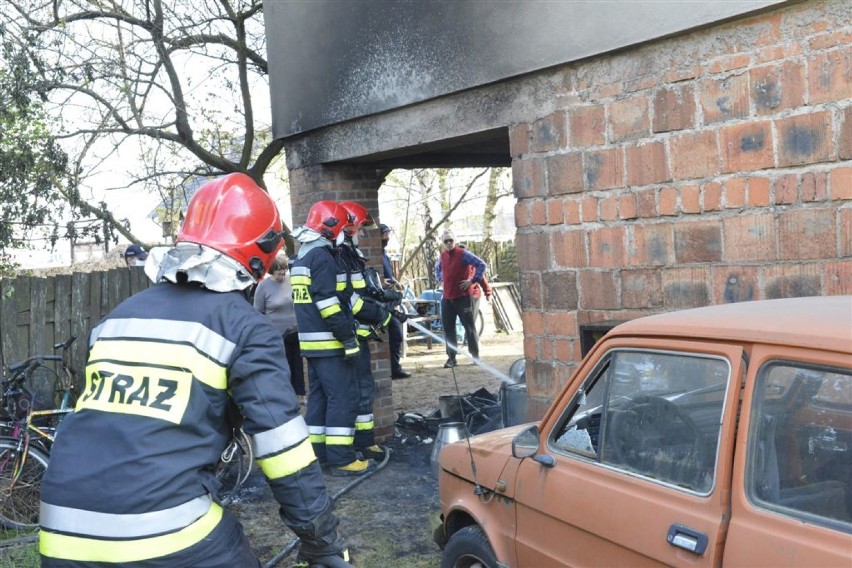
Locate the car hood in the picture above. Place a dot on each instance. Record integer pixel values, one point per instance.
(491, 454)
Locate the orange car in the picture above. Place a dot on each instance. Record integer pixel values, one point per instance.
(705, 437)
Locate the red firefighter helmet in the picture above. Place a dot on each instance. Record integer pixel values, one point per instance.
(327, 218)
(361, 218)
(234, 216)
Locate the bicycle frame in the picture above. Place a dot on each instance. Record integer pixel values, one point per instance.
(21, 433)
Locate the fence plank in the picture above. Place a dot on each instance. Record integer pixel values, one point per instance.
(38, 306)
(81, 322)
(138, 280)
(8, 322)
(95, 299)
(62, 308)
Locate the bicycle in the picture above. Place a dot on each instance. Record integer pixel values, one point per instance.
(28, 429)
(28, 426)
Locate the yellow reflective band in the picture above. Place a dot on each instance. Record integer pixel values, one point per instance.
(364, 332)
(139, 390)
(301, 294)
(316, 438)
(289, 462)
(330, 311)
(166, 355)
(340, 286)
(390, 315)
(320, 345)
(339, 440)
(359, 303)
(297, 280)
(364, 425)
(352, 351)
(81, 549)
(359, 284)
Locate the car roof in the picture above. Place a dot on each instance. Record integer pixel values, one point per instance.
(814, 322)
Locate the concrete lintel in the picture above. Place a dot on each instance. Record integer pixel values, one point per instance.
(402, 131)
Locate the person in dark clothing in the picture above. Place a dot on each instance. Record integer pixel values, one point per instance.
(327, 339)
(395, 326)
(131, 480)
(457, 301)
(135, 255)
(371, 311)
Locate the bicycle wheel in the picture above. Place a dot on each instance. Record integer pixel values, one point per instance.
(19, 494)
(234, 466)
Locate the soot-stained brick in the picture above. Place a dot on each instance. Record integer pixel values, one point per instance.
(560, 290)
(738, 289)
(767, 95)
(593, 169)
(752, 142)
(686, 295)
(793, 287)
(800, 140)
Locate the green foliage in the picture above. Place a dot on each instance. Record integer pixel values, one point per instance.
(32, 166)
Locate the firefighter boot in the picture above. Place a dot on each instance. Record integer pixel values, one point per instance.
(357, 467)
(374, 452)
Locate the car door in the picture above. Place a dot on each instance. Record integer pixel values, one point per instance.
(792, 487)
(643, 442)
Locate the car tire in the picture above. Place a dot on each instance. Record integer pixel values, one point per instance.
(468, 548)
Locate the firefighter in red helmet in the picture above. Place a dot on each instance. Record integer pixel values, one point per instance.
(327, 340)
(372, 310)
(131, 481)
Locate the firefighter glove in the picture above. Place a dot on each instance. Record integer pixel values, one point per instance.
(351, 351)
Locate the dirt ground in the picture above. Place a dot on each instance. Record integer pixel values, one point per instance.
(388, 518)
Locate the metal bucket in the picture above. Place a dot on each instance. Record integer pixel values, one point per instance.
(513, 404)
(450, 407)
(447, 434)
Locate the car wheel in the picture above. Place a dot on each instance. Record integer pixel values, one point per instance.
(468, 548)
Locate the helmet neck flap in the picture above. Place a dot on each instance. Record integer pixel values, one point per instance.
(191, 262)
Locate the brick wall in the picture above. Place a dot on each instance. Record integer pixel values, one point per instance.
(350, 183)
(707, 168)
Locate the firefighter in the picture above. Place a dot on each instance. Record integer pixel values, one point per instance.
(131, 480)
(370, 309)
(327, 340)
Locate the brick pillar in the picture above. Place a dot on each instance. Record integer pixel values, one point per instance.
(360, 184)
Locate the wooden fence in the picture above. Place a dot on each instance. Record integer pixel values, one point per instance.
(38, 312)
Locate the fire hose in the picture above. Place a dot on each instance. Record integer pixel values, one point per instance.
(330, 562)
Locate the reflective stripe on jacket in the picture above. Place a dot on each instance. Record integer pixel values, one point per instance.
(324, 322)
(131, 474)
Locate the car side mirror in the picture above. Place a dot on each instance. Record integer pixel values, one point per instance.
(526, 443)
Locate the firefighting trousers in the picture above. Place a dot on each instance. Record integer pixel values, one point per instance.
(332, 408)
(226, 546)
(364, 426)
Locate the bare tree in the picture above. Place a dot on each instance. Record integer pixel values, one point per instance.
(150, 93)
(491, 197)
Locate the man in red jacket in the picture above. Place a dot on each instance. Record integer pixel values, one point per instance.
(453, 269)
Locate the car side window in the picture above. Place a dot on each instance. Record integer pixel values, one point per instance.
(651, 413)
(799, 441)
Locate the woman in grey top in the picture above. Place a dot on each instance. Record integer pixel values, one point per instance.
(274, 298)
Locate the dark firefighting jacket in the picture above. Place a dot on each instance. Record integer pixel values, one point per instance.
(131, 473)
(352, 283)
(325, 322)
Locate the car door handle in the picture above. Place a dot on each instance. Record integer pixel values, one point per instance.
(687, 538)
